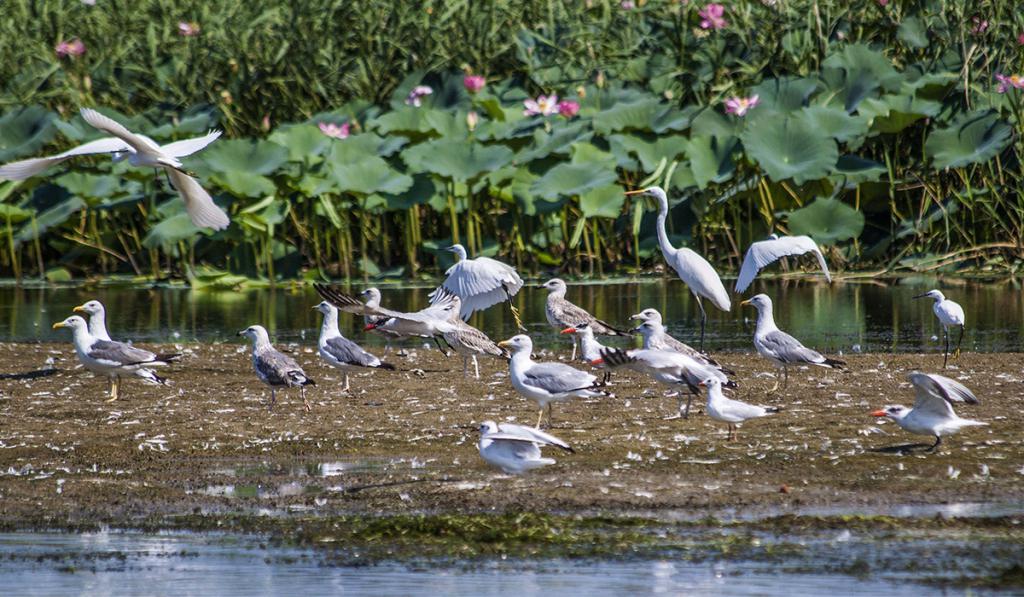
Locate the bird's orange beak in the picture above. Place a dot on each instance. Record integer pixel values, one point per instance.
(568, 331)
(636, 192)
(878, 413)
(597, 362)
(702, 384)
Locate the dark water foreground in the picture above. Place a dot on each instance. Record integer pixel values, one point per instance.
(861, 315)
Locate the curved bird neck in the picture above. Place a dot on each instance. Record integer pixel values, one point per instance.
(666, 246)
(557, 293)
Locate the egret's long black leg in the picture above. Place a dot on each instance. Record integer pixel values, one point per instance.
(439, 347)
(938, 440)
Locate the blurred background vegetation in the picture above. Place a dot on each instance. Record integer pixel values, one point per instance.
(882, 130)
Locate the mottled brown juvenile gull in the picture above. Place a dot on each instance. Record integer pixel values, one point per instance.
(273, 367)
(561, 313)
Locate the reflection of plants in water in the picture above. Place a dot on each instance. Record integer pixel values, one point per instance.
(891, 158)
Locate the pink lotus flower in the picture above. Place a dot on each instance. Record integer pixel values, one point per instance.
(542, 106)
(568, 108)
(188, 28)
(473, 83)
(418, 92)
(883, 2)
(1008, 82)
(334, 130)
(741, 105)
(627, 4)
(1020, 39)
(73, 47)
(712, 17)
(980, 25)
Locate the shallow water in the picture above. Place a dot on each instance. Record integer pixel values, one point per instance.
(112, 563)
(866, 315)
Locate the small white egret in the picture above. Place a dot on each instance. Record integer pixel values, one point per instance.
(764, 252)
(113, 359)
(562, 313)
(545, 383)
(949, 314)
(480, 283)
(273, 367)
(778, 346)
(340, 352)
(727, 410)
(515, 449)
(140, 151)
(693, 270)
(933, 411)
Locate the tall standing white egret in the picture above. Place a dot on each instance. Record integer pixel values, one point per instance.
(933, 411)
(949, 314)
(480, 283)
(693, 270)
(779, 347)
(764, 252)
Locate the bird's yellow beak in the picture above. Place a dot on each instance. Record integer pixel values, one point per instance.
(504, 344)
(79, 309)
(746, 302)
(636, 192)
(59, 324)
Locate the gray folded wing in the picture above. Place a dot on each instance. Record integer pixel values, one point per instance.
(350, 353)
(278, 369)
(119, 353)
(557, 378)
(788, 349)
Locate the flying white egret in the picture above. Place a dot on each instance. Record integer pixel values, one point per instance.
(273, 367)
(729, 411)
(545, 383)
(140, 151)
(764, 252)
(949, 314)
(515, 449)
(480, 283)
(562, 313)
(340, 352)
(693, 270)
(933, 411)
(113, 359)
(778, 346)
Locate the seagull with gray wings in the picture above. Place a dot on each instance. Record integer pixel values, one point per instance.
(340, 352)
(113, 359)
(273, 367)
(562, 314)
(933, 409)
(98, 328)
(515, 449)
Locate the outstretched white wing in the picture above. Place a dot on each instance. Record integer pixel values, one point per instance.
(28, 168)
(480, 283)
(180, 149)
(201, 209)
(765, 252)
(523, 433)
(140, 144)
(937, 393)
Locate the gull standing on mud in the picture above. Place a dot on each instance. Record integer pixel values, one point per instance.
(693, 270)
(729, 411)
(480, 283)
(545, 383)
(113, 359)
(515, 449)
(933, 410)
(765, 252)
(949, 314)
(372, 296)
(670, 368)
(781, 348)
(652, 330)
(98, 328)
(469, 342)
(143, 152)
(340, 352)
(563, 314)
(273, 367)
(590, 348)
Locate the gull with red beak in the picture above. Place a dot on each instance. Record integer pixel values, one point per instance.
(933, 409)
(590, 348)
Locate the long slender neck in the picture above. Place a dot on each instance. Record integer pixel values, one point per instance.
(329, 327)
(666, 245)
(765, 320)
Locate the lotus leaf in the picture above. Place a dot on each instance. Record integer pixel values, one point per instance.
(603, 202)
(372, 174)
(856, 169)
(245, 157)
(305, 142)
(192, 124)
(709, 123)
(711, 159)
(857, 72)
(652, 150)
(835, 122)
(54, 216)
(23, 131)
(785, 94)
(241, 184)
(557, 142)
(893, 113)
(636, 115)
(409, 120)
(456, 159)
(790, 148)
(827, 221)
(421, 191)
(572, 179)
(13, 213)
(90, 186)
(913, 32)
(170, 231)
(971, 138)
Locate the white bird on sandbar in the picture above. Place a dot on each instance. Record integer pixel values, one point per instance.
(950, 314)
(670, 368)
(933, 410)
(693, 270)
(480, 283)
(729, 411)
(275, 368)
(469, 342)
(652, 330)
(143, 152)
(765, 252)
(590, 348)
(515, 449)
(106, 357)
(545, 383)
(340, 352)
(779, 347)
(562, 313)
(98, 328)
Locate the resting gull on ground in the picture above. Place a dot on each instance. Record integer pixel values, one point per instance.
(273, 367)
(340, 352)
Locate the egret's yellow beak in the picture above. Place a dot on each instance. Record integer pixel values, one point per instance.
(79, 309)
(59, 324)
(636, 192)
(746, 302)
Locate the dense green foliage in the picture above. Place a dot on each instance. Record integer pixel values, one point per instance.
(880, 131)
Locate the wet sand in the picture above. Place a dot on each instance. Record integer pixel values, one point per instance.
(405, 442)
